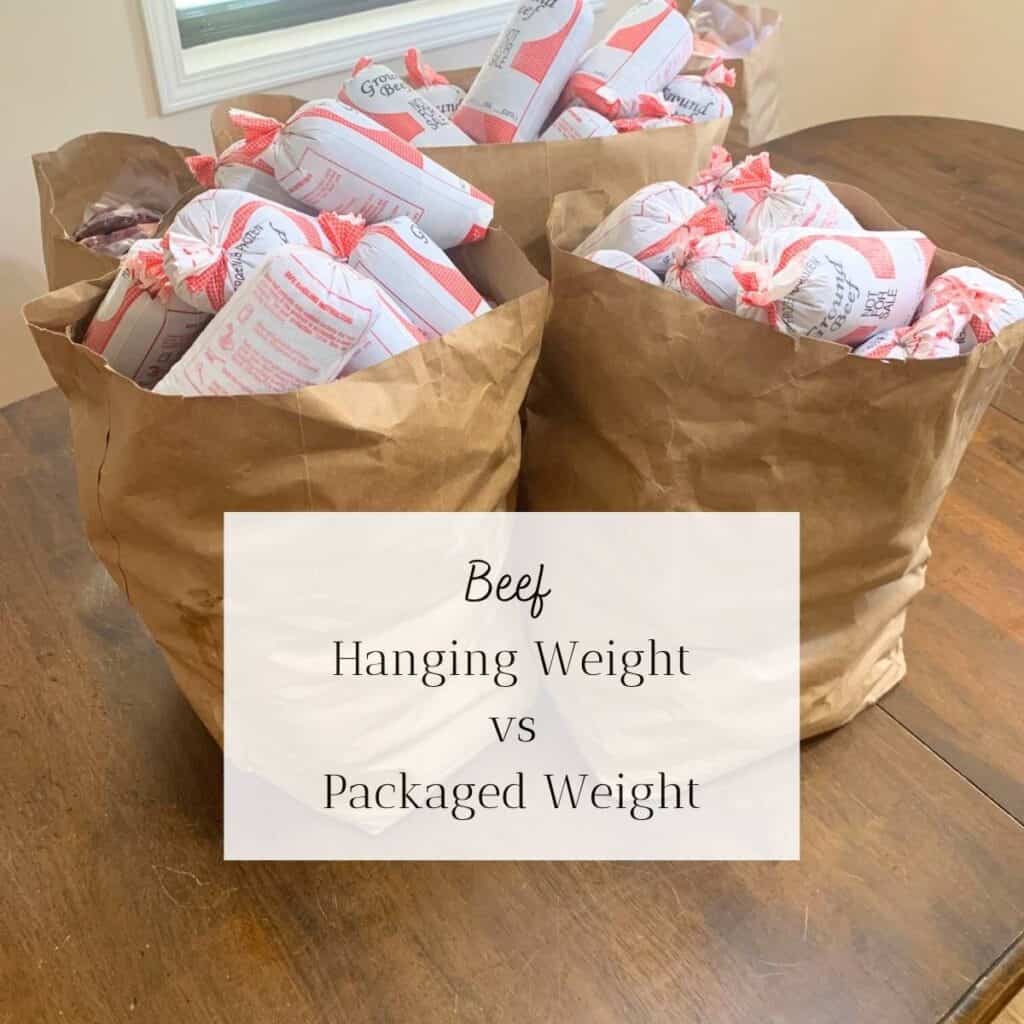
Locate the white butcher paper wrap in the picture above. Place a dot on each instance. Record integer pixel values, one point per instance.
(742, 188)
(236, 169)
(379, 93)
(834, 286)
(648, 224)
(524, 75)
(389, 334)
(219, 238)
(426, 286)
(295, 322)
(932, 337)
(702, 97)
(644, 50)
(992, 304)
(333, 157)
(578, 123)
(140, 330)
(624, 264)
(702, 267)
(432, 85)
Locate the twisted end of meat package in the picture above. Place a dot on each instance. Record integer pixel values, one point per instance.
(662, 398)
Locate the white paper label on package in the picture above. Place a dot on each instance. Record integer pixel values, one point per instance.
(295, 322)
(835, 286)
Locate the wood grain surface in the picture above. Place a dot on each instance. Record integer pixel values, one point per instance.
(907, 904)
(957, 181)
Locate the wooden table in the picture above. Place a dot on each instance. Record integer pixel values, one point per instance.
(907, 906)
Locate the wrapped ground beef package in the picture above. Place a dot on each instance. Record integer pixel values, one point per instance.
(703, 97)
(613, 259)
(992, 304)
(390, 334)
(578, 123)
(235, 168)
(742, 187)
(427, 287)
(379, 93)
(932, 337)
(648, 224)
(335, 158)
(835, 286)
(432, 85)
(526, 70)
(703, 267)
(523, 178)
(142, 331)
(220, 237)
(646, 401)
(295, 322)
(761, 201)
(434, 428)
(644, 50)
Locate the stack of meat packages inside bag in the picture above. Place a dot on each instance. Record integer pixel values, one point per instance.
(784, 251)
(546, 77)
(325, 256)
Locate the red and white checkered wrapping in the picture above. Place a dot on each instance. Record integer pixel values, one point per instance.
(378, 92)
(235, 168)
(432, 85)
(741, 189)
(702, 267)
(645, 49)
(222, 236)
(333, 157)
(389, 334)
(703, 97)
(295, 322)
(140, 332)
(649, 223)
(578, 123)
(836, 286)
(624, 264)
(932, 337)
(990, 303)
(426, 286)
(524, 75)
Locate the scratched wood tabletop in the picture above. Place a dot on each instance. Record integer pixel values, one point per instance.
(907, 905)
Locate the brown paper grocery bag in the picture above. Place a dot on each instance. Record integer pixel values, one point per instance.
(435, 428)
(756, 97)
(524, 177)
(647, 401)
(144, 170)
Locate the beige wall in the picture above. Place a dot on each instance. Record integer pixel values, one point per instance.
(852, 58)
(70, 67)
